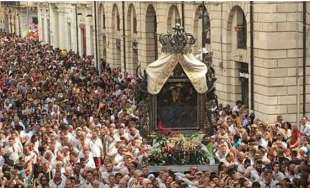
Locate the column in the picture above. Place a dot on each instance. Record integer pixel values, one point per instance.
(61, 25)
(89, 36)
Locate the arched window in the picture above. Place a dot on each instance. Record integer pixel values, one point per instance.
(151, 34)
(135, 25)
(118, 23)
(205, 22)
(202, 29)
(115, 18)
(102, 17)
(103, 21)
(239, 26)
(132, 19)
(173, 17)
(241, 31)
(206, 30)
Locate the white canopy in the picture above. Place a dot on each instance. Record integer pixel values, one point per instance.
(160, 70)
(200, 54)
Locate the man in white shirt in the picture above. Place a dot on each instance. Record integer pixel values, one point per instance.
(237, 107)
(123, 132)
(69, 183)
(267, 180)
(96, 148)
(88, 159)
(161, 179)
(106, 172)
(58, 181)
(306, 129)
(254, 172)
(91, 182)
(14, 150)
(277, 174)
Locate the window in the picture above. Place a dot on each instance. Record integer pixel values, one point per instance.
(43, 29)
(206, 28)
(103, 21)
(92, 39)
(118, 23)
(118, 44)
(104, 48)
(135, 25)
(244, 79)
(69, 35)
(135, 54)
(241, 34)
(48, 32)
(35, 20)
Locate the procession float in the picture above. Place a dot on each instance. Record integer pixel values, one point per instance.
(179, 94)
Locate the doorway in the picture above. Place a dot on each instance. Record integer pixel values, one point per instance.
(104, 48)
(83, 40)
(117, 54)
(48, 31)
(69, 36)
(43, 28)
(244, 85)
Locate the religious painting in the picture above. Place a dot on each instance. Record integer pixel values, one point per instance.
(177, 106)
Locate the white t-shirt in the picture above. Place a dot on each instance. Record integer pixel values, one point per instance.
(96, 147)
(232, 129)
(105, 175)
(1, 161)
(101, 185)
(235, 109)
(52, 184)
(306, 129)
(31, 157)
(90, 163)
(14, 152)
(263, 142)
(118, 158)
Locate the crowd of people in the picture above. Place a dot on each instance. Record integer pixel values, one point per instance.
(64, 125)
(252, 153)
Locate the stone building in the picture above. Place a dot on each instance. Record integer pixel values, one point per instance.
(17, 17)
(260, 50)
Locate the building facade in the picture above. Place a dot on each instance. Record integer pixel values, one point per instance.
(18, 17)
(260, 50)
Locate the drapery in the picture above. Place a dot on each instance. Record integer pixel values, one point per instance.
(160, 70)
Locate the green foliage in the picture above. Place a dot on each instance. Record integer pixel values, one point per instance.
(179, 150)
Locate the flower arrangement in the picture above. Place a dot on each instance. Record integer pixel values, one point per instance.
(178, 149)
